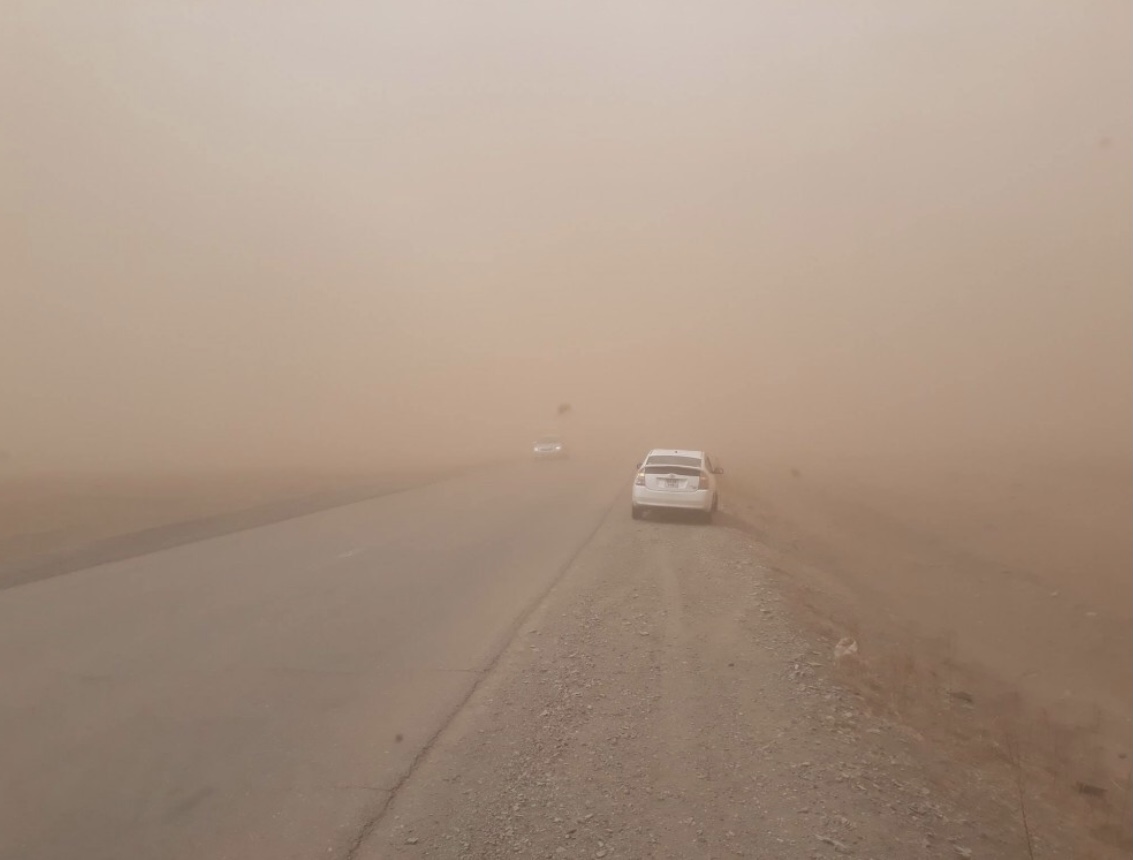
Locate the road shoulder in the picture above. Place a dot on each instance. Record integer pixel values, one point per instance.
(662, 701)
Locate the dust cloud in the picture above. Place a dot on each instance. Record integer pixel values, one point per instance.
(875, 256)
(355, 233)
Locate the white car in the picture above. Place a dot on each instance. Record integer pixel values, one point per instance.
(549, 448)
(676, 479)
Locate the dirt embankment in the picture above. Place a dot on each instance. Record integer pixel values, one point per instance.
(1007, 591)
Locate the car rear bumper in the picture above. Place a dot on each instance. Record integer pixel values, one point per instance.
(694, 500)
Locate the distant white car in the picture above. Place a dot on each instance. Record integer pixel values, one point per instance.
(676, 479)
(549, 448)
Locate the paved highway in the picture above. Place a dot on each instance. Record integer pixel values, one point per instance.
(259, 694)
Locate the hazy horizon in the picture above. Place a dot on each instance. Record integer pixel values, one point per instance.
(256, 234)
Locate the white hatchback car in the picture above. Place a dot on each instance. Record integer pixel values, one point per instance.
(676, 479)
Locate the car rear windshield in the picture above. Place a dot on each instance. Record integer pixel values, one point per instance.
(690, 471)
(672, 460)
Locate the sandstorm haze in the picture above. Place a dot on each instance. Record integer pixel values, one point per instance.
(250, 233)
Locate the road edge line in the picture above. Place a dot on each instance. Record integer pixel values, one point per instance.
(506, 640)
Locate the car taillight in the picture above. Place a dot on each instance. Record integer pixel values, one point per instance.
(640, 479)
(704, 479)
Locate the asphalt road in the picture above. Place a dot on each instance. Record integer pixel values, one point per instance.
(259, 694)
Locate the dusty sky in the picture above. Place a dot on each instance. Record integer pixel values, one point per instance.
(250, 232)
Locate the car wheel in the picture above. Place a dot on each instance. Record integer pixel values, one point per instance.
(635, 512)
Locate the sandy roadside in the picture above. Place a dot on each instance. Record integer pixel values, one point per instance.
(1012, 596)
(666, 700)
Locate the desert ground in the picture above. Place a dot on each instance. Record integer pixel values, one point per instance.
(989, 613)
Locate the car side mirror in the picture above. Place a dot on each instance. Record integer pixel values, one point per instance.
(719, 470)
(638, 466)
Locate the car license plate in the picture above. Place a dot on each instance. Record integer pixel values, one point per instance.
(671, 483)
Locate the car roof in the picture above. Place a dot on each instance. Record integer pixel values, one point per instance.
(679, 452)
